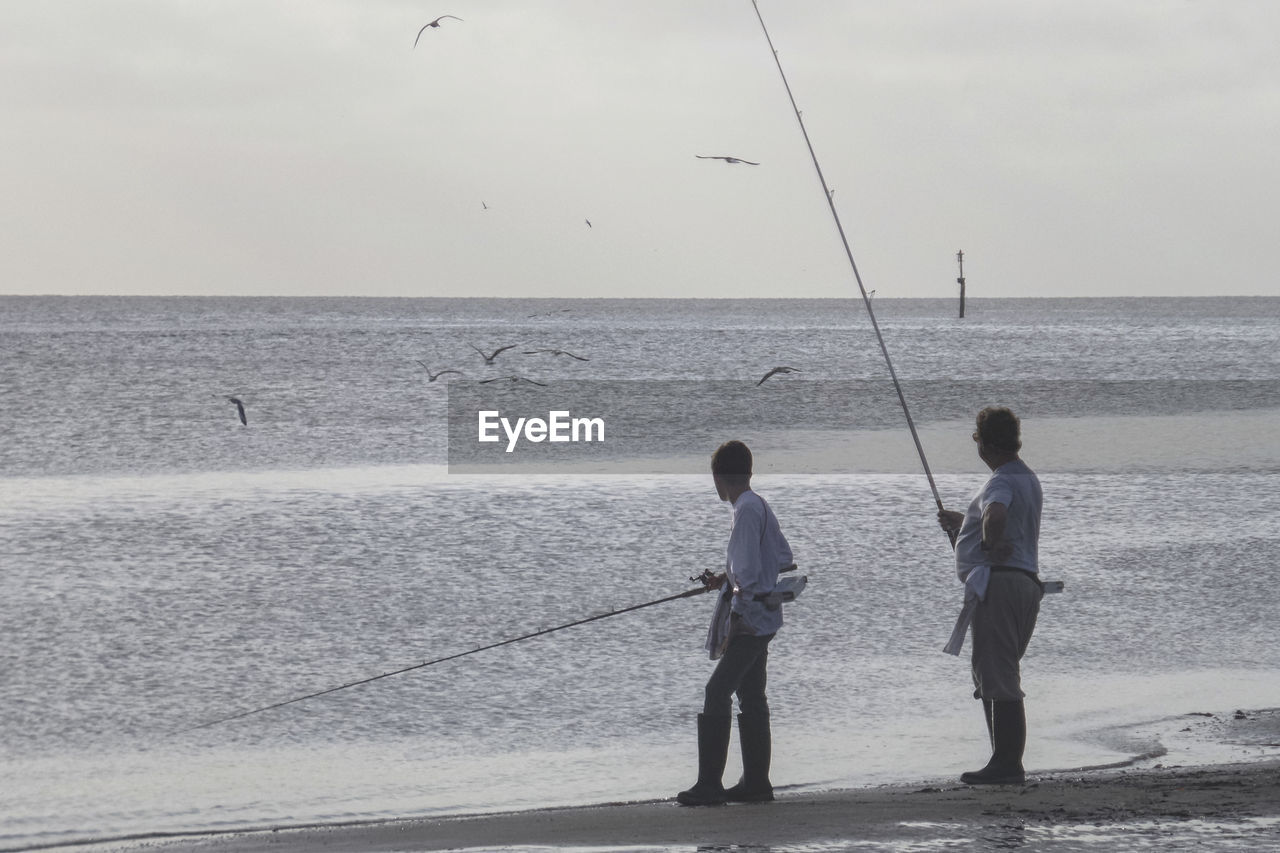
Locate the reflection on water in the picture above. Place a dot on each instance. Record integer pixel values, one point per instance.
(1253, 833)
(1235, 834)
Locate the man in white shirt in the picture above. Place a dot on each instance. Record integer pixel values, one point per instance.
(739, 637)
(997, 543)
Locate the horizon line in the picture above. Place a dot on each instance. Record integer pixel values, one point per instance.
(853, 297)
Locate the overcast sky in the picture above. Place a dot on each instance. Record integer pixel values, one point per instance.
(1070, 147)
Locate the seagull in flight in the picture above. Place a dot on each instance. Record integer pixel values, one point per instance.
(511, 379)
(588, 221)
(555, 352)
(240, 409)
(432, 377)
(436, 24)
(726, 159)
(488, 359)
(777, 370)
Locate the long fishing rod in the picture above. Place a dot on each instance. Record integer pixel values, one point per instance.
(686, 594)
(866, 300)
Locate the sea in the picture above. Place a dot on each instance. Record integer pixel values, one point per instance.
(169, 570)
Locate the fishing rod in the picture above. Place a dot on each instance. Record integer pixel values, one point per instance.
(828, 193)
(686, 594)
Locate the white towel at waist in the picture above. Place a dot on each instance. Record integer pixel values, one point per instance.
(975, 590)
(718, 632)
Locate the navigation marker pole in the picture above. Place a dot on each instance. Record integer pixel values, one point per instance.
(960, 280)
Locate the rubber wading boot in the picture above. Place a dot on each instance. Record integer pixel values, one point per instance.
(753, 787)
(713, 751)
(1009, 731)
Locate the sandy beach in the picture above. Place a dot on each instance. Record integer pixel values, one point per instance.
(1151, 803)
(1218, 806)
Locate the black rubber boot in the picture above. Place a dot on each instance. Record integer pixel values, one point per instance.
(757, 748)
(986, 715)
(1009, 732)
(713, 751)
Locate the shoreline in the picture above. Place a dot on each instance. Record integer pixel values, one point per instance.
(1236, 796)
(1209, 772)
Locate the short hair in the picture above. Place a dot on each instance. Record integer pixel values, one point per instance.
(732, 459)
(1000, 428)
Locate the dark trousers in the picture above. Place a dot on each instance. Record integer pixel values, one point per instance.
(741, 670)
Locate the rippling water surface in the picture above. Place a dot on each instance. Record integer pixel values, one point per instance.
(165, 566)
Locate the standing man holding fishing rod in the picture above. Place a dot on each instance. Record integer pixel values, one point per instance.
(747, 616)
(996, 543)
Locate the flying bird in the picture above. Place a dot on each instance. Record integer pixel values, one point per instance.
(488, 359)
(777, 370)
(726, 159)
(588, 221)
(436, 24)
(511, 379)
(240, 410)
(432, 377)
(555, 352)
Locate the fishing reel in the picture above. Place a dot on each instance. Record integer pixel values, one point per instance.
(708, 579)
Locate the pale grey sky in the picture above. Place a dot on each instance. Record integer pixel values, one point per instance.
(1070, 147)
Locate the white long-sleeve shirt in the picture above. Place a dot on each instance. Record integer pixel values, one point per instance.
(757, 550)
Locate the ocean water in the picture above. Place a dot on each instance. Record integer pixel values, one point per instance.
(165, 566)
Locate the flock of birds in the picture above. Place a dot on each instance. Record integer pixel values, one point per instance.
(483, 204)
(490, 360)
(490, 357)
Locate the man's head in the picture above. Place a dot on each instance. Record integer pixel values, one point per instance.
(998, 432)
(731, 469)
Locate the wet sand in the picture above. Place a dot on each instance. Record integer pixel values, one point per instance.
(1151, 802)
(1232, 806)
